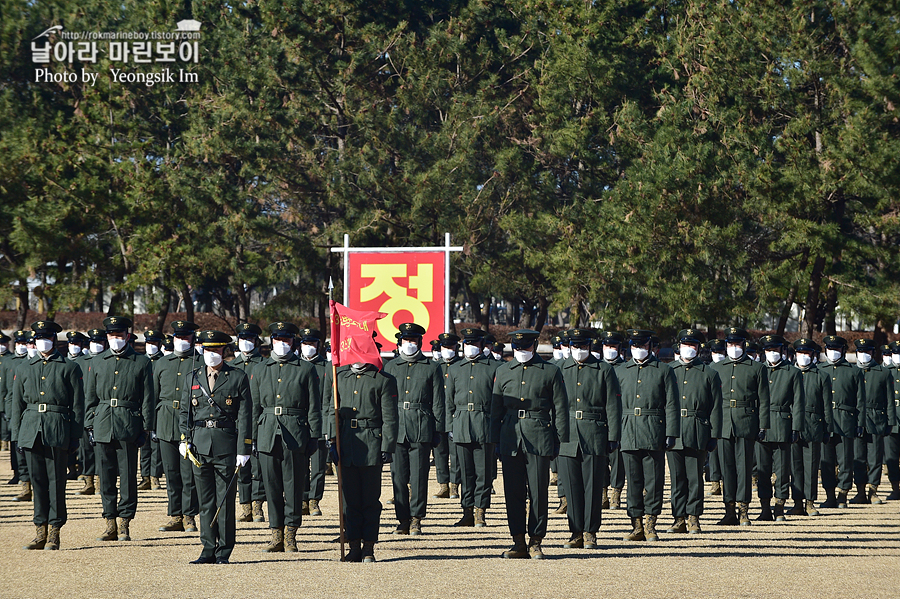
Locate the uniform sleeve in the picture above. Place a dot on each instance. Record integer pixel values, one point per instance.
(390, 421)
(497, 410)
(763, 394)
(450, 397)
(798, 409)
(77, 389)
(673, 404)
(825, 390)
(560, 407)
(437, 400)
(184, 408)
(257, 403)
(314, 389)
(892, 394)
(149, 399)
(328, 424)
(90, 395)
(860, 397)
(18, 403)
(244, 418)
(715, 415)
(613, 404)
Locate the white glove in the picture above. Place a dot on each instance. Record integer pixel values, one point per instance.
(242, 460)
(182, 449)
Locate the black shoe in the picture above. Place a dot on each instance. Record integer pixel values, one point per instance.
(204, 560)
(221, 560)
(14, 480)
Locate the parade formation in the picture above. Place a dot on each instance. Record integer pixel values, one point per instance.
(604, 414)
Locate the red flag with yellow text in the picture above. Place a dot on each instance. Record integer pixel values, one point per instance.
(351, 335)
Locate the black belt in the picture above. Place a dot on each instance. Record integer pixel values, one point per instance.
(740, 403)
(118, 403)
(528, 414)
(583, 415)
(646, 412)
(472, 407)
(282, 411)
(47, 407)
(686, 412)
(846, 407)
(408, 405)
(213, 424)
(361, 423)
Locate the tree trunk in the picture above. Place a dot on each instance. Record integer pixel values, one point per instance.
(243, 295)
(829, 324)
(812, 298)
(188, 304)
(525, 316)
(163, 309)
(881, 333)
(543, 304)
(786, 310)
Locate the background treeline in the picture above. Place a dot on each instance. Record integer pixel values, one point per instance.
(653, 163)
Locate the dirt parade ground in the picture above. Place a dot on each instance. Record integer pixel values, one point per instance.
(842, 553)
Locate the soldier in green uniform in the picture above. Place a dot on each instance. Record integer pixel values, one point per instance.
(848, 403)
(716, 350)
(650, 426)
(445, 466)
(5, 355)
(611, 349)
(215, 421)
(315, 483)
(368, 421)
(420, 389)
(494, 350)
(468, 394)
(892, 439)
(529, 421)
(595, 421)
(815, 430)
(700, 390)
(287, 425)
(87, 451)
(251, 492)
(7, 376)
(168, 381)
(119, 414)
(47, 419)
(868, 451)
(76, 342)
(556, 343)
(151, 465)
(786, 420)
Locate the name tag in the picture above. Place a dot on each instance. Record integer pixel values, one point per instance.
(195, 387)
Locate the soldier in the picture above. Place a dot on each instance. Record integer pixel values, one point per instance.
(168, 377)
(420, 389)
(5, 356)
(868, 451)
(745, 416)
(168, 346)
(700, 390)
(47, 419)
(445, 466)
(119, 414)
(315, 483)
(151, 464)
(753, 350)
(556, 343)
(611, 343)
(214, 420)
(87, 451)
(496, 350)
(470, 383)
(251, 492)
(595, 421)
(786, 420)
(886, 360)
(287, 424)
(7, 376)
(529, 420)
(848, 395)
(368, 430)
(817, 422)
(650, 426)
(716, 349)
(892, 440)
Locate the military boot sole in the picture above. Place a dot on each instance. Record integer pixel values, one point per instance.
(515, 554)
(765, 517)
(574, 543)
(634, 537)
(860, 499)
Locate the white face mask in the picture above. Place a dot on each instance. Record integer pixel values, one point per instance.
(522, 356)
(32, 352)
(833, 355)
(200, 349)
(486, 351)
(166, 352)
(735, 352)
(245, 345)
(717, 357)
(610, 353)
(116, 344)
(21, 349)
(773, 357)
(557, 354)
(496, 356)
(687, 352)
(280, 348)
(3, 347)
(408, 348)
(863, 357)
(152, 349)
(886, 361)
(471, 351)
(212, 358)
(328, 356)
(566, 352)
(597, 355)
(96, 348)
(895, 359)
(639, 353)
(309, 351)
(580, 355)
(448, 353)
(74, 350)
(804, 360)
(44, 345)
(182, 346)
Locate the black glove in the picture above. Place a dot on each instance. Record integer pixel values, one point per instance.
(153, 437)
(19, 449)
(5, 417)
(826, 438)
(611, 446)
(253, 450)
(795, 436)
(711, 445)
(555, 450)
(860, 432)
(436, 439)
(670, 442)
(497, 451)
(73, 444)
(386, 458)
(91, 437)
(761, 435)
(313, 446)
(332, 451)
(141, 439)
(450, 436)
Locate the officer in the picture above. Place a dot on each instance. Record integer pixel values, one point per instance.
(47, 418)
(892, 440)
(595, 421)
(529, 420)
(7, 376)
(168, 376)
(786, 420)
(650, 425)
(470, 383)
(87, 451)
(716, 350)
(489, 347)
(556, 342)
(885, 350)
(76, 342)
(214, 418)
(868, 451)
(753, 350)
(563, 507)
(5, 355)
(368, 439)
(817, 423)
(745, 416)
(287, 425)
(435, 350)
(168, 346)
(445, 466)
(119, 414)
(315, 484)
(151, 464)
(251, 492)
(611, 350)
(700, 390)
(848, 402)
(496, 350)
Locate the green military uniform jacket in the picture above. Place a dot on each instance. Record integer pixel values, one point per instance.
(48, 400)
(879, 386)
(6, 358)
(7, 374)
(786, 402)
(248, 363)
(595, 406)
(848, 397)
(469, 393)
(818, 418)
(420, 397)
(529, 408)
(221, 431)
(745, 397)
(322, 366)
(287, 401)
(894, 405)
(120, 399)
(650, 406)
(445, 372)
(170, 375)
(700, 390)
(368, 415)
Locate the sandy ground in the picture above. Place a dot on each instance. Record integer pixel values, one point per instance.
(842, 553)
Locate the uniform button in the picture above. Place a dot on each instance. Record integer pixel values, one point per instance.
(115, 387)
(179, 374)
(684, 397)
(42, 392)
(407, 392)
(117, 359)
(280, 365)
(357, 376)
(685, 382)
(580, 367)
(471, 377)
(45, 363)
(354, 409)
(639, 380)
(523, 382)
(470, 392)
(525, 368)
(177, 389)
(732, 390)
(638, 396)
(279, 380)
(522, 399)
(277, 397)
(732, 376)
(355, 392)
(579, 384)
(832, 392)
(117, 372)
(43, 377)
(407, 378)
(579, 399)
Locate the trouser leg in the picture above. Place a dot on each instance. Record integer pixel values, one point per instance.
(315, 489)
(678, 481)
(727, 456)
(271, 466)
(190, 505)
(485, 464)
(362, 501)
(455, 476)
(875, 455)
(634, 474)
(715, 469)
(828, 463)
(845, 461)
(400, 480)
(48, 467)
(744, 460)
(694, 460)
(569, 469)
(127, 462)
(654, 464)
(21, 464)
(764, 463)
(781, 467)
(294, 472)
(537, 470)
(616, 470)
(442, 459)
(514, 489)
(147, 457)
(469, 476)
(259, 488)
(108, 471)
(798, 470)
(226, 527)
(419, 465)
(171, 462)
(811, 455)
(205, 480)
(892, 455)
(244, 485)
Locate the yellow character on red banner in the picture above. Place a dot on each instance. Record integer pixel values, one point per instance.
(383, 276)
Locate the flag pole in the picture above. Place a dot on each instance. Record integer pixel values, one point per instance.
(337, 421)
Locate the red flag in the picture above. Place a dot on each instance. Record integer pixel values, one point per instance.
(351, 335)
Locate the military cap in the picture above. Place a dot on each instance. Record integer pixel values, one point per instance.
(580, 335)
(611, 338)
(328, 346)
(448, 339)
(736, 334)
(772, 341)
(397, 336)
(310, 335)
(895, 347)
(867, 345)
(411, 329)
(20, 336)
(523, 337)
(214, 339)
(654, 341)
(489, 338)
(434, 343)
(556, 341)
(834, 341)
(473, 334)
(154, 335)
(169, 343)
(805, 344)
(97, 334)
(283, 329)
(639, 336)
(248, 329)
(4, 337)
(691, 335)
(752, 347)
(885, 349)
(117, 323)
(76, 337)
(597, 344)
(717, 346)
(184, 327)
(45, 329)
(498, 347)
